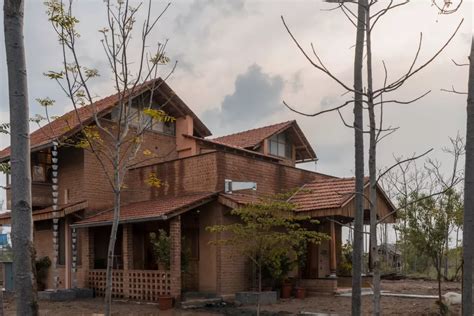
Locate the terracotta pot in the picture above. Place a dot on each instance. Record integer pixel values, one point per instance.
(165, 302)
(300, 292)
(286, 290)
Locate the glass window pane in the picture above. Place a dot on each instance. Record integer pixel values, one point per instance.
(281, 150)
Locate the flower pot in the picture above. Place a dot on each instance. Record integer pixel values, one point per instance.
(165, 302)
(300, 292)
(286, 290)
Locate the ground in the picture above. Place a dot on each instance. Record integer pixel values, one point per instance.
(322, 304)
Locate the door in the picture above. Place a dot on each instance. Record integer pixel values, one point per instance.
(8, 275)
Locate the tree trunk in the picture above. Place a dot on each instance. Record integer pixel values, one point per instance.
(113, 234)
(359, 163)
(22, 223)
(374, 258)
(446, 252)
(468, 230)
(259, 287)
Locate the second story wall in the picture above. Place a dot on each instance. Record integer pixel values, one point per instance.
(207, 173)
(155, 147)
(71, 175)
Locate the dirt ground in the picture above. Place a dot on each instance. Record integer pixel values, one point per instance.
(322, 304)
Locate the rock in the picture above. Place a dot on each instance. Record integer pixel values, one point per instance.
(452, 298)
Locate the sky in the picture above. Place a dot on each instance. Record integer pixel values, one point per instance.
(237, 64)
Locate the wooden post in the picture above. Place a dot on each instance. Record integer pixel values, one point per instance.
(332, 261)
(175, 254)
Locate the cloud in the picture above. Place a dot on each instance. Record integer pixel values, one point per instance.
(202, 14)
(256, 96)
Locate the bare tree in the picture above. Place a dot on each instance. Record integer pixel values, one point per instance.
(116, 146)
(22, 222)
(468, 230)
(373, 98)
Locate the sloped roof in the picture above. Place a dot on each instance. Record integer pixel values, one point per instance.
(47, 213)
(69, 123)
(159, 209)
(252, 137)
(324, 194)
(237, 148)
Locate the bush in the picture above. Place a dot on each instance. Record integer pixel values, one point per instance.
(161, 243)
(42, 267)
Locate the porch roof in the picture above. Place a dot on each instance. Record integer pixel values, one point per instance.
(47, 213)
(335, 197)
(160, 209)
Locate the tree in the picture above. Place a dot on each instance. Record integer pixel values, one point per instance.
(22, 222)
(429, 205)
(116, 146)
(468, 231)
(427, 221)
(364, 21)
(267, 231)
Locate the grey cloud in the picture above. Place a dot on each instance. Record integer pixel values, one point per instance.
(203, 12)
(257, 95)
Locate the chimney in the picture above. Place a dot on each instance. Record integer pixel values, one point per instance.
(185, 146)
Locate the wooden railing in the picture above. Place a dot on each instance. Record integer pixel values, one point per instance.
(140, 285)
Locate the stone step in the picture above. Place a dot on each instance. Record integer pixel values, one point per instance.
(199, 303)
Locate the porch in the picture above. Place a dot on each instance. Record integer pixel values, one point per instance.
(136, 273)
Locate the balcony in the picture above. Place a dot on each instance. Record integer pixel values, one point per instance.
(41, 195)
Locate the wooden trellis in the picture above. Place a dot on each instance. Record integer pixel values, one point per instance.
(139, 285)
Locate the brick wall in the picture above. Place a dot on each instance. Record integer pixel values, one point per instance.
(207, 172)
(71, 174)
(175, 256)
(97, 189)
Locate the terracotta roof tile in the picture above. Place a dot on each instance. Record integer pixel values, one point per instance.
(251, 138)
(148, 210)
(241, 198)
(324, 194)
(69, 123)
(63, 210)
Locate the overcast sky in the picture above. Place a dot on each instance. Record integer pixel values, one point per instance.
(236, 64)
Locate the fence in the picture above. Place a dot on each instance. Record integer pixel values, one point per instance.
(140, 285)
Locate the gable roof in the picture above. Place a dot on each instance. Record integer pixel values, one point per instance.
(160, 209)
(324, 194)
(252, 139)
(69, 123)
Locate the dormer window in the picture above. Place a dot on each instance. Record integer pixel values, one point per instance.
(138, 118)
(280, 145)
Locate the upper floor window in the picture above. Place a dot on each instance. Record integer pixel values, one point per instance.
(41, 170)
(138, 118)
(280, 145)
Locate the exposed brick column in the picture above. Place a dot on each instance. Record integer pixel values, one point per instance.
(127, 242)
(127, 250)
(175, 256)
(88, 250)
(332, 252)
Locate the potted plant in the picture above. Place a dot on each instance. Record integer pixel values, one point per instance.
(42, 268)
(300, 292)
(165, 302)
(286, 289)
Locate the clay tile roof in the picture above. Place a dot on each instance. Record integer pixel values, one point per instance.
(251, 138)
(324, 194)
(69, 123)
(240, 198)
(47, 213)
(149, 210)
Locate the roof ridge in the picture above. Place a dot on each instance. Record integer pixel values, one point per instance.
(254, 129)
